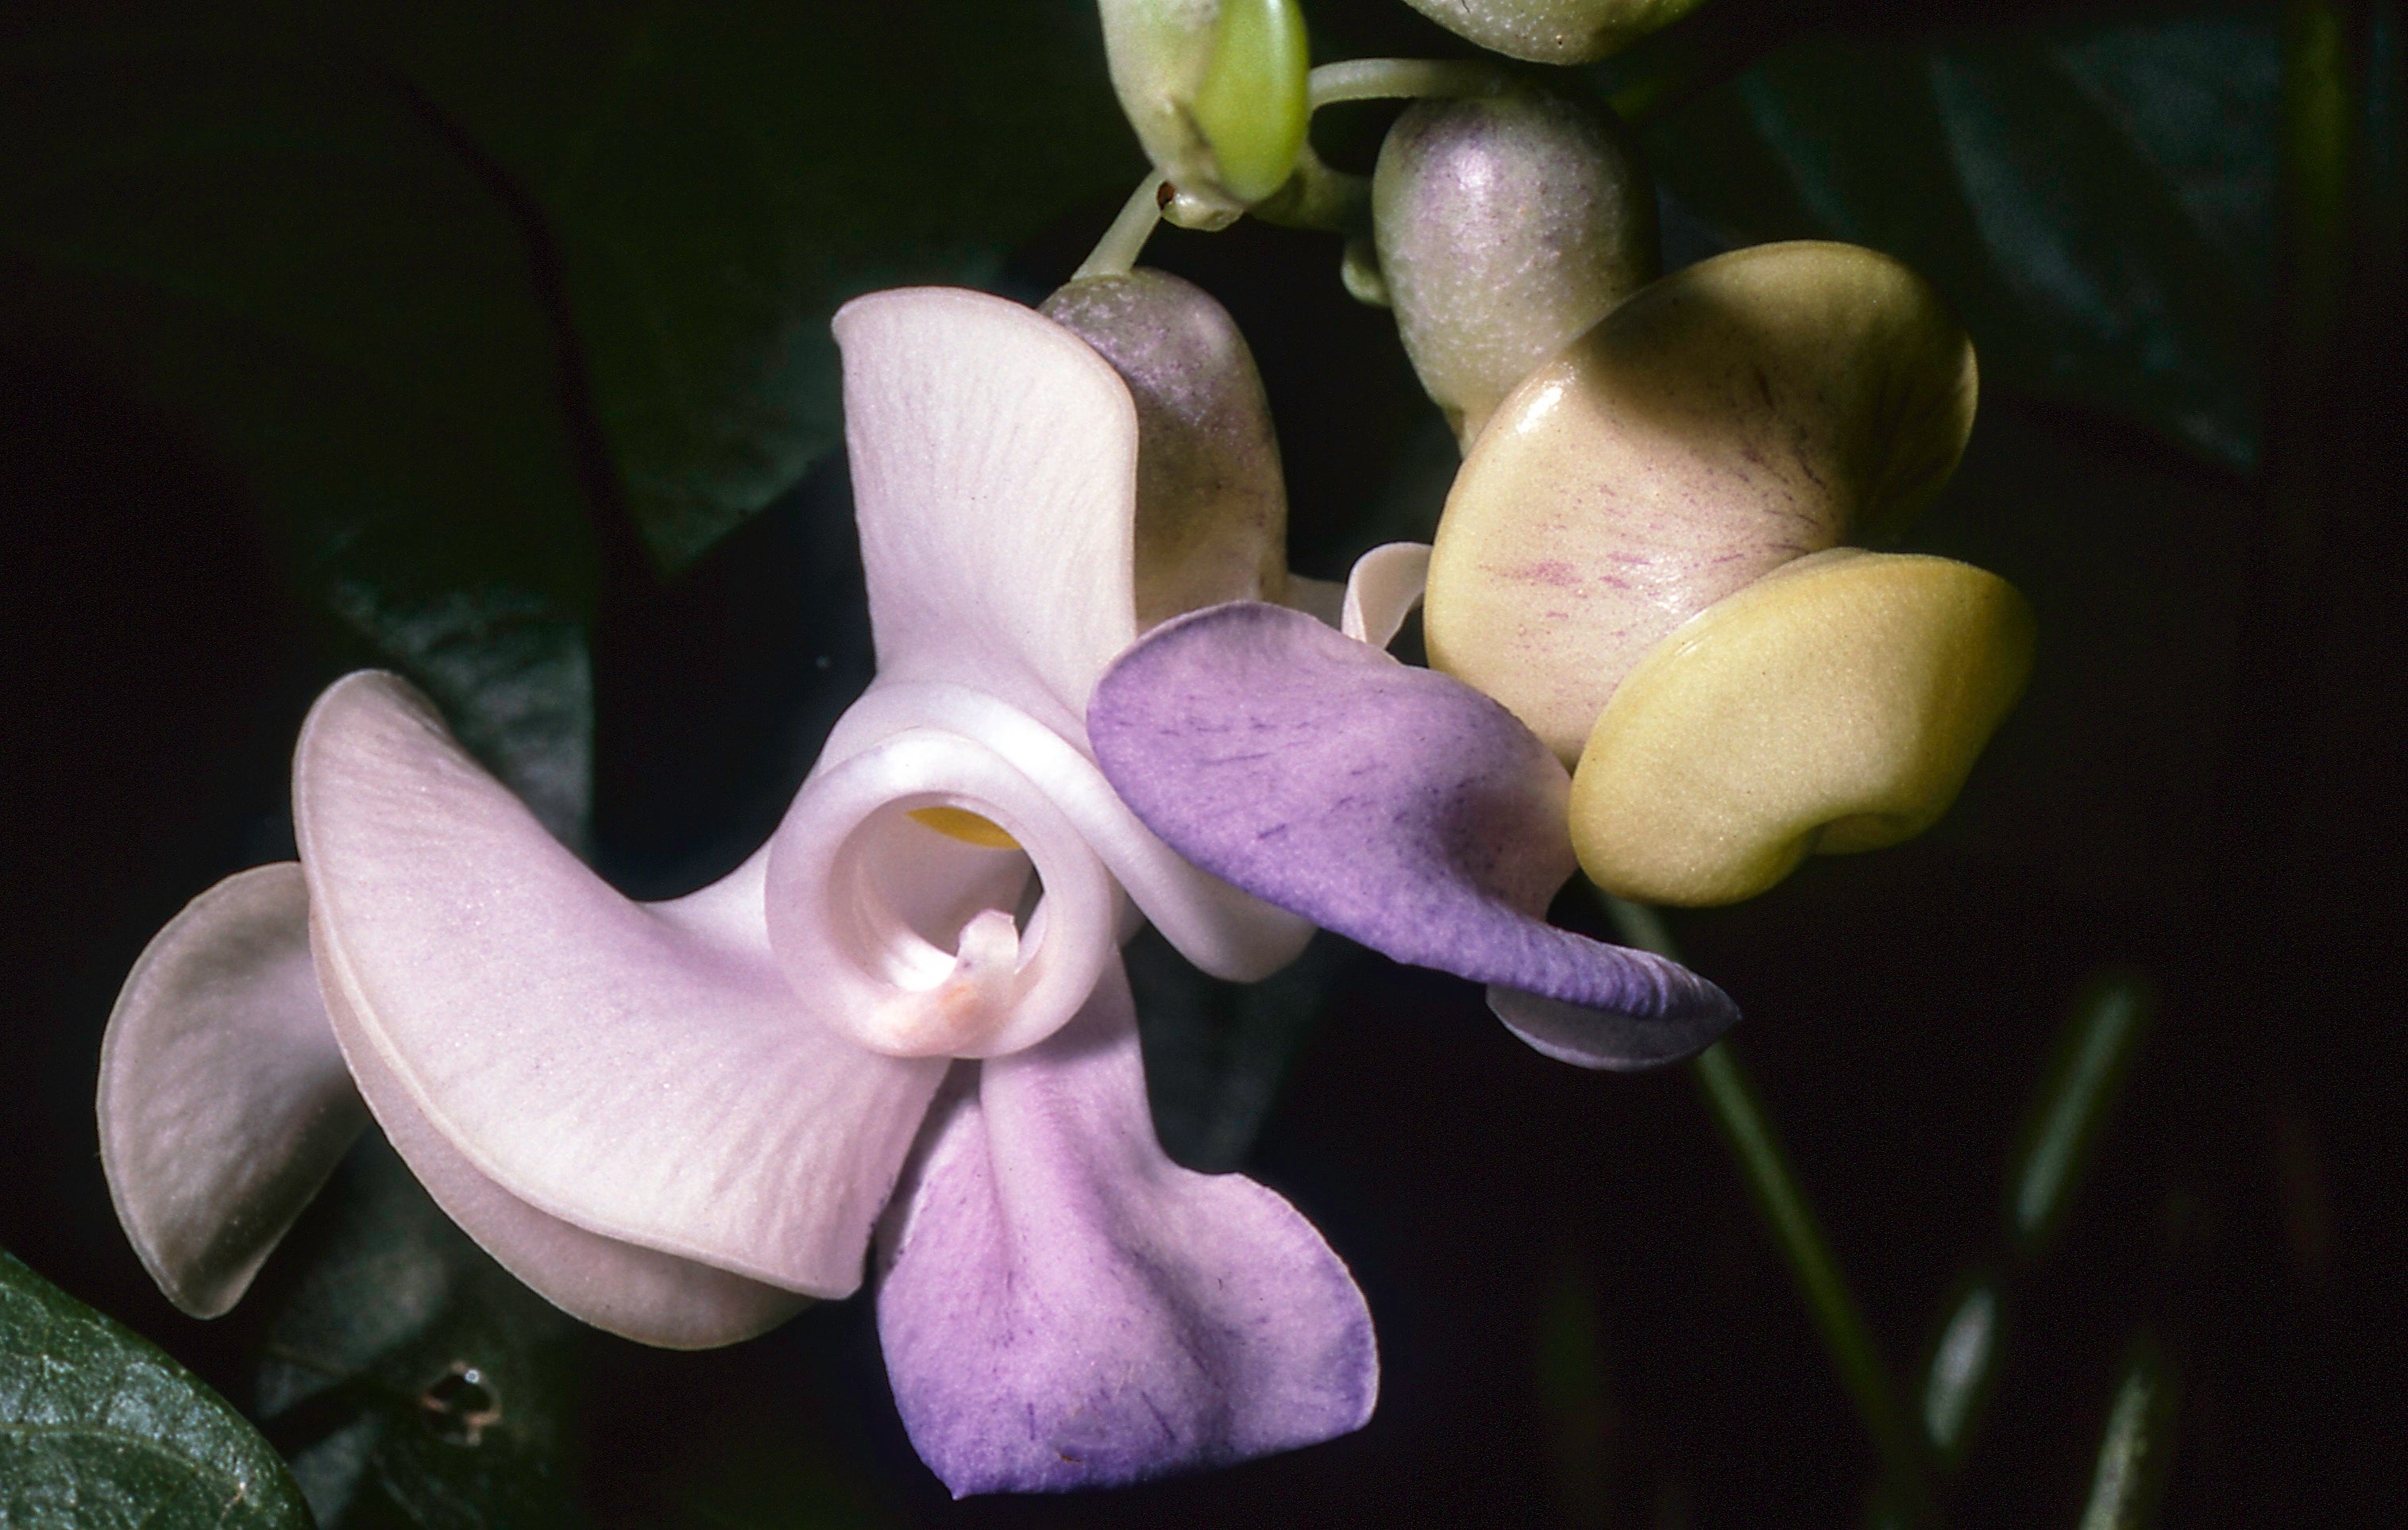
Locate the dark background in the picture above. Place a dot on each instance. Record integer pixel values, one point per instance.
(1581, 1319)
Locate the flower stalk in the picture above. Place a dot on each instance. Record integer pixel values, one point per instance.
(1790, 1217)
(1115, 254)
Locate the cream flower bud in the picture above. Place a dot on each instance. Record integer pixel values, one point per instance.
(1837, 704)
(1741, 413)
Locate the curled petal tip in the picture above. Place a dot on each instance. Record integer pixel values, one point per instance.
(1617, 1040)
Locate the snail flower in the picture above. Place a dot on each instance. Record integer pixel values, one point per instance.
(902, 1022)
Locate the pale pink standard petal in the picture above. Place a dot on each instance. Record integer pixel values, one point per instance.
(634, 1293)
(642, 1072)
(1063, 1306)
(223, 1100)
(994, 458)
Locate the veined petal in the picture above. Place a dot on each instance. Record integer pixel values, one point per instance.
(1382, 589)
(223, 1099)
(1391, 805)
(620, 1288)
(1747, 410)
(1222, 930)
(1605, 1040)
(994, 458)
(642, 1072)
(1063, 1306)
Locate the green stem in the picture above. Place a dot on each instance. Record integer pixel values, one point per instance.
(1319, 197)
(2307, 456)
(1793, 1226)
(1390, 79)
(1115, 254)
(1800, 1236)
(2129, 1481)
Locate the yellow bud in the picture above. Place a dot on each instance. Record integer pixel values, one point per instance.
(1837, 704)
(1748, 411)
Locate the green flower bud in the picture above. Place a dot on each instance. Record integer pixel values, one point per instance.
(1506, 226)
(1215, 90)
(1211, 509)
(1553, 31)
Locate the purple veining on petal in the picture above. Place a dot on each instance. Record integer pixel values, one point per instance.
(1063, 1306)
(1393, 805)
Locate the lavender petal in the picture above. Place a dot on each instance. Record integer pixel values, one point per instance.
(1393, 805)
(1064, 1307)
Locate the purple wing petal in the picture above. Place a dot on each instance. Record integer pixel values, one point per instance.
(1063, 1306)
(1390, 804)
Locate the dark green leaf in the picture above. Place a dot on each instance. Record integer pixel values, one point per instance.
(2094, 204)
(413, 1381)
(284, 251)
(748, 168)
(100, 1431)
(718, 177)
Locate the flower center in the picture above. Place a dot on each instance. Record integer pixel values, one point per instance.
(933, 902)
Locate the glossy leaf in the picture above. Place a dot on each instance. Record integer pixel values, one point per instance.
(100, 1431)
(2094, 202)
(281, 248)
